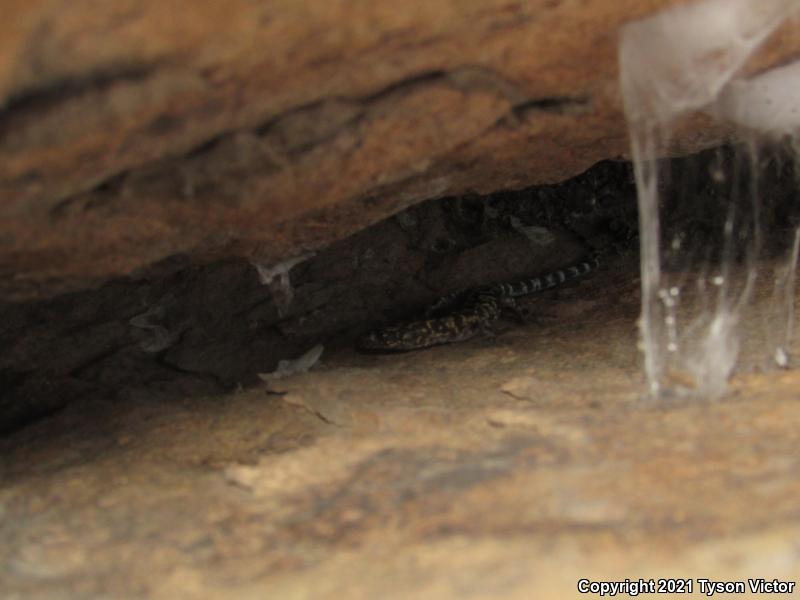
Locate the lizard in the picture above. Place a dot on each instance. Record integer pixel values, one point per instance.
(479, 308)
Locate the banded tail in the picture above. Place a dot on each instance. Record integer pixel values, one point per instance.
(548, 280)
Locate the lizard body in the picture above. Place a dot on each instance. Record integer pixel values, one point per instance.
(480, 307)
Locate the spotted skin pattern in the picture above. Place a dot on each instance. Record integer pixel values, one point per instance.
(479, 308)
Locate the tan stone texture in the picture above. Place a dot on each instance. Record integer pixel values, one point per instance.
(489, 469)
(134, 130)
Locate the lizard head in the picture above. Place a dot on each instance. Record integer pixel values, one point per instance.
(390, 339)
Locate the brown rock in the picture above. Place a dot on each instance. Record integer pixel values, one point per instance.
(133, 132)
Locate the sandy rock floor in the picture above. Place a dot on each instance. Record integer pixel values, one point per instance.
(498, 468)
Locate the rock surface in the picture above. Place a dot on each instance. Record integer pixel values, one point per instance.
(141, 138)
(508, 468)
(190, 329)
(132, 132)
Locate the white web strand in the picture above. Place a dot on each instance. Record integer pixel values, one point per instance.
(673, 64)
